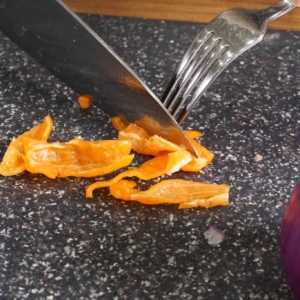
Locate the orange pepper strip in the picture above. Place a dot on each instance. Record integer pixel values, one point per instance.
(118, 123)
(123, 189)
(203, 152)
(187, 194)
(154, 145)
(77, 157)
(153, 168)
(198, 163)
(192, 134)
(218, 200)
(13, 163)
(144, 143)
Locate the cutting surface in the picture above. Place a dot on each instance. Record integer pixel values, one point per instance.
(55, 244)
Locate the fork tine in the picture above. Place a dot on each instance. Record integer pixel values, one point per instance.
(199, 74)
(174, 84)
(197, 69)
(198, 59)
(197, 44)
(218, 66)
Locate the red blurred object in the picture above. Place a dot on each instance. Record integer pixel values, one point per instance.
(290, 242)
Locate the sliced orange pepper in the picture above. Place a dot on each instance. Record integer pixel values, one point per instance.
(218, 200)
(118, 123)
(187, 194)
(77, 158)
(153, 168)
(203, 152)
(195, 165)
(169, 155)
(198, 163)
(144, 143)
(123, 189)
(192, 134)
(87, 159)
(13, 163)
(85, 101)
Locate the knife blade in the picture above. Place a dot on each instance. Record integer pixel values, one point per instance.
(62, 43)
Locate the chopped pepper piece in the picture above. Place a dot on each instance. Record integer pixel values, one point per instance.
(13, 163)
(198, 163)
(169, 159)
(85, 101)
(118, 123)
(153, 168)
(187, 194)
(77, 157)
(192, 134)
(81, 158)
(144, 143)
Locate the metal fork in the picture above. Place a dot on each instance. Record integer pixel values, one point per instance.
(219, 43)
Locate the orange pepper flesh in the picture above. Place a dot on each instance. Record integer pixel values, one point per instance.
(145, 144)
(118, 123)
(153, 168)
(77, 158)
(188, 194)
(169, 159)
(13, 163)
(85, 101)
(81, 158)
(192, 134)
(198, 163)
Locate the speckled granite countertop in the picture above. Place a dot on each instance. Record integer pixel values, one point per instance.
(55, 244)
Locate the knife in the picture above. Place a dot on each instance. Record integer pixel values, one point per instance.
(62, 43)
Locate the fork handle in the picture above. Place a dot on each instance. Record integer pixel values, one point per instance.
(277, 10)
